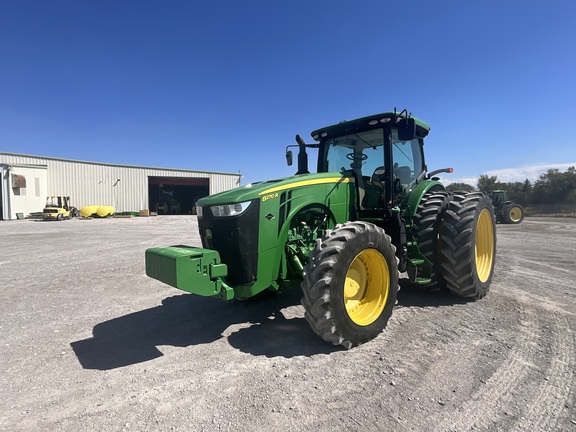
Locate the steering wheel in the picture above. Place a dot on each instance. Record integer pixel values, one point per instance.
(356, 156)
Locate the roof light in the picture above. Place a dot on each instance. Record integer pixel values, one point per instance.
(324, 134)
(385, 120)
(373, 122)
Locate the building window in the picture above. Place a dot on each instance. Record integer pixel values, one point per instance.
(19, 184)
(18, 181)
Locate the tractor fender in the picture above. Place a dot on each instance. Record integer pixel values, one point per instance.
(412, 199)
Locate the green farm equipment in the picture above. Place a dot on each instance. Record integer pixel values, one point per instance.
(344, 233)
(506, 211)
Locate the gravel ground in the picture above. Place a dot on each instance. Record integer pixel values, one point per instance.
(88, 342)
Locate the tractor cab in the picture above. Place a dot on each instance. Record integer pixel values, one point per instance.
(499, 197)
(383, 157)
(383, 154)
(366, 157)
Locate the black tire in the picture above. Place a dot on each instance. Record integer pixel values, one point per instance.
(59, 217)
(350, 284)
(427, 226)
(512, 213)
(469, 245)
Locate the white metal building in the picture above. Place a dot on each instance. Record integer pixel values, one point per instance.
(26, 181)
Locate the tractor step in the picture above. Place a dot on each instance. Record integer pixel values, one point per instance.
(416, 267)
(422, 281)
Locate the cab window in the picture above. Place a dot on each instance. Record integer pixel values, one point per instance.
(408, 162)
(361, 152)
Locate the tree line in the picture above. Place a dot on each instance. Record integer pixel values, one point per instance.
(551, 188)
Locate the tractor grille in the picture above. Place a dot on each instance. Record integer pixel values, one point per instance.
(236, 240)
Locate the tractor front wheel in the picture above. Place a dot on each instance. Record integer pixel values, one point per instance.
(469, 245)
(350, 284)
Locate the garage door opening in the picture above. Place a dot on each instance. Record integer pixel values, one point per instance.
(176, 195)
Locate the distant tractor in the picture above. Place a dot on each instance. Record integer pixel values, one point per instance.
(371, 211)
(506, 211)
(58, 208)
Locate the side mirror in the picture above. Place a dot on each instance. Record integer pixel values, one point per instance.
(406, 129)
(289, 157)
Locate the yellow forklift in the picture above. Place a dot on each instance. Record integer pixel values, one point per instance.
(59, 208)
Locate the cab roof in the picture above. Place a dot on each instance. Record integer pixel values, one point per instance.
(369, 122)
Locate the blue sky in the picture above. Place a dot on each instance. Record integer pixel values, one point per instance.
(225, 86)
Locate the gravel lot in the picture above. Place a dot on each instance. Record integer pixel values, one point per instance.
(88, 342)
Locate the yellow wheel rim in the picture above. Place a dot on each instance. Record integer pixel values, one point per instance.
(515, 214)
(366, 287)
(484, 251)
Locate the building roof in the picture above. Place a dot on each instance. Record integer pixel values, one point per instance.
(118, 165)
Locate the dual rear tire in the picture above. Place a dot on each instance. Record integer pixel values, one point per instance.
(427, 231)
(457, 234)
(468, 245)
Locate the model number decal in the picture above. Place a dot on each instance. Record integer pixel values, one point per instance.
(270, 196)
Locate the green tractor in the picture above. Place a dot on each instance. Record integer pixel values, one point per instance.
(506, 211)
(344, 234)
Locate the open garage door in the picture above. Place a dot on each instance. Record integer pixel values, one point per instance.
(176, 195)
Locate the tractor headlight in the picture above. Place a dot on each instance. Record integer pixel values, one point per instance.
(199, 212)
(229, 209)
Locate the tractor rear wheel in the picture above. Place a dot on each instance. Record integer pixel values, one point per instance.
(427, 225)
(350, 284)
(512, 214)
(468, 245)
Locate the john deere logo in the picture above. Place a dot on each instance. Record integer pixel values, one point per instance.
(208, 234)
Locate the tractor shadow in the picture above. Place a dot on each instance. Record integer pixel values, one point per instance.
(257, 326)
(188, 320)
(411, 295)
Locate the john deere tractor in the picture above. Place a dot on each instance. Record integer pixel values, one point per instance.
(344, 233)
(506, 211)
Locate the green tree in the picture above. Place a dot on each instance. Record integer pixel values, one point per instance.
(516, 192)
(488, 183)
(571, 193)
(460, 187)
(555, 187)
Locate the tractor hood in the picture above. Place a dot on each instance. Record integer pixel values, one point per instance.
(265, 188)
